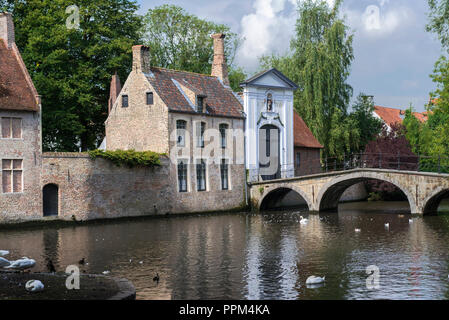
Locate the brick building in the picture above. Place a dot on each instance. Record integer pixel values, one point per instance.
(20, 122)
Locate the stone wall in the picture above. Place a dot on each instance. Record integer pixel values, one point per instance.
(139, 126)
(26, 204)
(97, 189)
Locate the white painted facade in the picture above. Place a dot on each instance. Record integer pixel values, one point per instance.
(255, 101)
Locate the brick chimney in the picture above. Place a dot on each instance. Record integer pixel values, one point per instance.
(219, 66)
(141, 58)
(7, 28)
(114, 91)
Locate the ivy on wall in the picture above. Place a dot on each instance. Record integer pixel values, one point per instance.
(130, 158)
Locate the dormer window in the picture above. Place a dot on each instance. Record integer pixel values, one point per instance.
(200, 104)
(125, 101)
(149, 98)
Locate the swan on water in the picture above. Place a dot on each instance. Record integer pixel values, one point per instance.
(410, 220)
(34, 286)
(4, 253)
(358, 230)
(21, 264)
(303, 220)
(315, 280)
(106, 272)
(4, 262)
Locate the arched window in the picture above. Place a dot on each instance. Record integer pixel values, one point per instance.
(181, 133)
(223, 129)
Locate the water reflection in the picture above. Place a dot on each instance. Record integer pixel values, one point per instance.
(249, 256)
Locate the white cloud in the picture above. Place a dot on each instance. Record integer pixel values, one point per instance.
(267, 29)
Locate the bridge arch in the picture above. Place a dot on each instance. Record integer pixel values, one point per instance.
(331, 192)
(278, 192)
(433, 201)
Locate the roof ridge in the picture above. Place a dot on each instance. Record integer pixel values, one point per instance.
(175, 70)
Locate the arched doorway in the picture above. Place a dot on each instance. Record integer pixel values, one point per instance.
(50, 200)
(269, 152)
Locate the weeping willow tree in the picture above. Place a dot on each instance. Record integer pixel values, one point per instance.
(319, 62)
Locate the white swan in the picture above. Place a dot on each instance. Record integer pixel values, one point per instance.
(315, 280)
(34, 286)
(4, 253)
(410, 220)
(4, 262)
(21, 264)
(358, 230)
(303, 221)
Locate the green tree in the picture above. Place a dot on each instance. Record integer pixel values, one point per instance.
(72, 68)
(413, 131)
(369, 126)
(320, 63)
(181, 41)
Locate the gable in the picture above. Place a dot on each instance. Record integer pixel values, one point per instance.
(17, 91)
(270, 78)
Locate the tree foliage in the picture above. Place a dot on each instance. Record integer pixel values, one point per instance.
(181, 41)
(320, 64)
(72, 68)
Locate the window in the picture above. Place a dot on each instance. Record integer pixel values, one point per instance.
(124, 101)
(224, 175)
(200, 134)
(200, 104)
(181, 133)
(201, 176)
(223, 128)
(298, 159)
(12, 176)
(182, 176)
(149, 97)
(11, 128)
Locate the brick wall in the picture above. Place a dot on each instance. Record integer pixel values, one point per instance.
(309, 161)
(26, 204)
(140, 126)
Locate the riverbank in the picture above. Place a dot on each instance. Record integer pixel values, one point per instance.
(92, 287)
(55, 222)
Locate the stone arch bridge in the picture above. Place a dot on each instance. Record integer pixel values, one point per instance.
(322, 192)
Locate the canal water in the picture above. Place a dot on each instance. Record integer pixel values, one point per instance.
(258, 256)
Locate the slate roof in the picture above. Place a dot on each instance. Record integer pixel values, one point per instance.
(220, 101)
(303, 137)
(17, 91)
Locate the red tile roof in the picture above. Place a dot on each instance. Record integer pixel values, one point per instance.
(391, 115)
(303, 137)
(219, 101)
(17, 91)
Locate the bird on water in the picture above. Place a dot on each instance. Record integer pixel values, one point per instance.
(156, 278)
(51, 266)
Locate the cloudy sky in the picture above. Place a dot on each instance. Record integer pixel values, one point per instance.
(394, 55)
